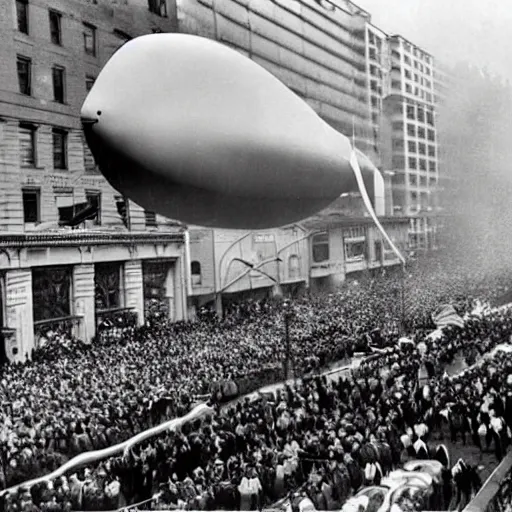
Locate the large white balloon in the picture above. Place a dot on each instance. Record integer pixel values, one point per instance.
(193, 130)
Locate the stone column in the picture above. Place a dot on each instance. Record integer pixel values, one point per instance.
(19, 313)
(180, 290)
(170, 291)
(83, 300)
(134, 288)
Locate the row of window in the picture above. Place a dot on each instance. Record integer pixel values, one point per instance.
(158, 7)
(24, 68)
(413, 181)
(28, 146)
(55, 23)
(419, 114)
(31, 197)
(398, 162)
(354, 251)
(419, 132)
(374, 39)
(416, 91)
(417, 78)
(413, 147)
(416, 52)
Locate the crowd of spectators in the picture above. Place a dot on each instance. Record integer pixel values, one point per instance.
(75, 397)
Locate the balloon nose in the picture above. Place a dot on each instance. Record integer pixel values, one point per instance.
(89, 115)
(88, 119)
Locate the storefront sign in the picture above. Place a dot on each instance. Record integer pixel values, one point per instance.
(263, 238)
(17, 295)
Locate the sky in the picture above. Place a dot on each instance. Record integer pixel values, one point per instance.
(477, 31)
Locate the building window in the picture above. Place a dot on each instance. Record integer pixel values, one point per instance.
(293, 267)
(398, 126)
(413, 180)
(410, 112)
(158, 7)
(28, 146)
(411, 146)
(398, 162)
(407, 60)
(59, 84)
(421, 133)
(432, 167)
(421, 115)
(31, 205)
(93, 197)
(150, 219)
(422, 149)
(89, 39)
(55, 27)
(430, 118)
(107, 286)
(411, 130)
(431, 135)
(355, 251)
(22, 15)
(195, 271)
(398, 144)
(412, 163)
(423, 164)
(408, 88)
(89, 82)
(60, 143)
(378, 250)
(432, 151)
(51, 291)
(64, 198)
(396, 84)
(122, 206)
(24, 65)
(321, 247)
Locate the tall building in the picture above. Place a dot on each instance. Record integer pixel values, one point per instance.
(409, 139)
(378, 67)
(122, 259)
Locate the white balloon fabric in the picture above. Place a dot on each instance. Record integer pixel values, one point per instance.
(193, 130)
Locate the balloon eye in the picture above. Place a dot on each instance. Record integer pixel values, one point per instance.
(99, 112)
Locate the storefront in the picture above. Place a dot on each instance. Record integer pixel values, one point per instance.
(71, 282)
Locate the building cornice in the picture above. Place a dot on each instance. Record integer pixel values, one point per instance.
(73, 239)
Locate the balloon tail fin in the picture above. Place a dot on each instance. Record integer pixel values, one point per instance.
(366, 199)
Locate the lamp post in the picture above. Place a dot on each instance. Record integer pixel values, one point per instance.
(250, 267)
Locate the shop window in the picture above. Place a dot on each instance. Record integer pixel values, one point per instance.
(320, 244)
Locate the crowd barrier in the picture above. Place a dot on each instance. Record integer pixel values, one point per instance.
(496, 493)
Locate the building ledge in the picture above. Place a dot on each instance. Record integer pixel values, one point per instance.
(82, 237)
